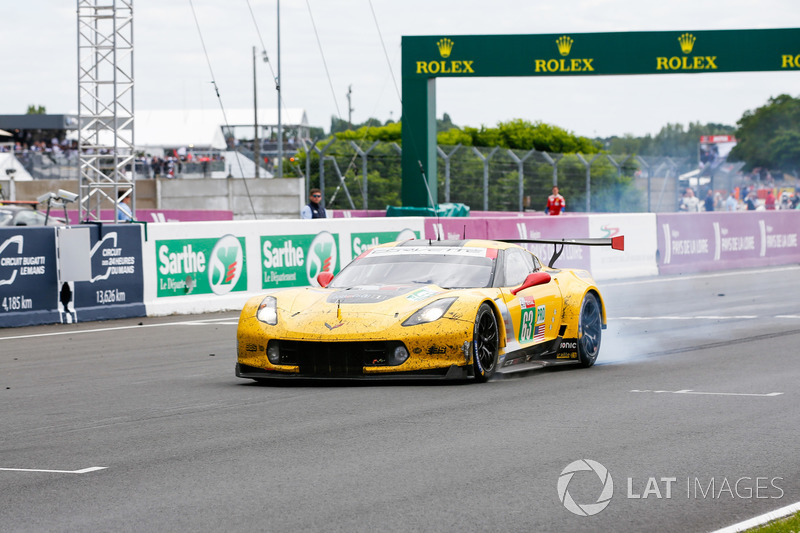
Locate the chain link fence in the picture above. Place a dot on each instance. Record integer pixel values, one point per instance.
(367, 175)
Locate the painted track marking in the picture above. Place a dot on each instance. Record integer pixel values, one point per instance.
(697, 317)
(205, 322)
(81, 471)
(689, 391)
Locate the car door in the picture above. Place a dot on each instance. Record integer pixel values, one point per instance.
(535, 312)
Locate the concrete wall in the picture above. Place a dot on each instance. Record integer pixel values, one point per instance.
(268, 198)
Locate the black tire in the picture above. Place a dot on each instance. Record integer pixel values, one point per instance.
(485, 344)
(590, 328)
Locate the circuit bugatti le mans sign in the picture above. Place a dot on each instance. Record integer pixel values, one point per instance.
(575, 54)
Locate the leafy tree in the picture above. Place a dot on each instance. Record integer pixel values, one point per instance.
(36, 110)
(671, 141)
(454, 136)
(445, 123)
(316, 133)
(768, 137)
(611, 189)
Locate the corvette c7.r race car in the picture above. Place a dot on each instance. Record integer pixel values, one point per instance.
(421, 309)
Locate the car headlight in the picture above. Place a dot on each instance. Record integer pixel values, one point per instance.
(268, 311)
(431, 312)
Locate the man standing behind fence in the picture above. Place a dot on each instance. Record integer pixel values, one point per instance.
(555, 203)
(313, 209)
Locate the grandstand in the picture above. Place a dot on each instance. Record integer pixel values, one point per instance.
(46, 145)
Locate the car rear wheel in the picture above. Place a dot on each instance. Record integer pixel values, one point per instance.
(485, 344)
(590, 327)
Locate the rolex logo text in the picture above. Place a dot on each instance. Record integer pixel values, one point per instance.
(576, 64)
(445, 47)
(685, 62)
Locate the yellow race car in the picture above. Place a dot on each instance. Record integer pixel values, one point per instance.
(427, 309)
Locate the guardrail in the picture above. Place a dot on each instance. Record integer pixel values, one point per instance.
(102, 271)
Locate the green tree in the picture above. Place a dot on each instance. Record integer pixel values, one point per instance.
(768, 137)
(36, 110)
(445, 123)
(673, 140)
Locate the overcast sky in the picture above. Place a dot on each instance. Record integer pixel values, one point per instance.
(39, 62)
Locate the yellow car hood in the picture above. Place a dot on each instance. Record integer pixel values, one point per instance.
(319, 312)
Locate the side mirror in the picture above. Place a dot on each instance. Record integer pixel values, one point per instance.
(324, 278)
(533, 279)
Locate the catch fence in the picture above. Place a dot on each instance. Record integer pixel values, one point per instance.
(368, 176)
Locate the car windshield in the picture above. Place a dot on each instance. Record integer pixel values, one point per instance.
(449, 268)
(5, 217)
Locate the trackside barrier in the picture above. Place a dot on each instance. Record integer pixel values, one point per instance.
(696, 242)
(212, 266)
(28, 276)
(196, 267)
(162, 215)
(115, 288)
(71, 274)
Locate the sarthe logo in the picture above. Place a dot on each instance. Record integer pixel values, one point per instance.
(322, 256)
(227, 264)
(585, 509)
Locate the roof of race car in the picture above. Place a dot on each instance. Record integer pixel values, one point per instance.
(466, 243)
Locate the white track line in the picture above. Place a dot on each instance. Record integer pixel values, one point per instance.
(81, 471)
(698, 317)
(761, 519)
(119, 328)
(690, 391)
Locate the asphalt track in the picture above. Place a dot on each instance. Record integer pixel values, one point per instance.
(693, 409)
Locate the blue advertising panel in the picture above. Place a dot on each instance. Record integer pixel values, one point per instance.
(28, 276)
(116, 287)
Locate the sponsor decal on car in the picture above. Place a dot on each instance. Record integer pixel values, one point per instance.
(420, 294)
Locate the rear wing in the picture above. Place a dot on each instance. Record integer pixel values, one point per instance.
(616, 243)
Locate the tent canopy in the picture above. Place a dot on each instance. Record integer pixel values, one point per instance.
(203, 128)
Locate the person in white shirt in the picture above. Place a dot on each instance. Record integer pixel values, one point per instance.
(730, 202)
(690, 203)
(124, 213)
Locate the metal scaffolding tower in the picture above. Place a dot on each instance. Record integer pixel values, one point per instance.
(105, 105)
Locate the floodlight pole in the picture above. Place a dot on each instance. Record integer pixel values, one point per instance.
(105, 106)
(256, 142)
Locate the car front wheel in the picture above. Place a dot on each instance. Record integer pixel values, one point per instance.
(485, 344)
